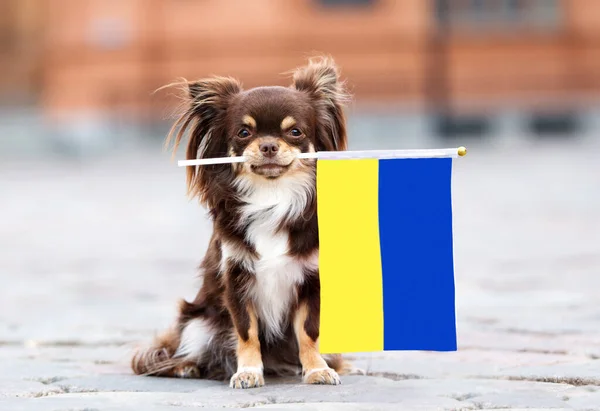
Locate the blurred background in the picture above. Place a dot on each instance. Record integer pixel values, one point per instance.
(76, 77)
(97, 238)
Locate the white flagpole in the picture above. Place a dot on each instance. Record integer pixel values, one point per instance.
(345, 155)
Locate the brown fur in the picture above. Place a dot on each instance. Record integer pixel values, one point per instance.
(222, 120)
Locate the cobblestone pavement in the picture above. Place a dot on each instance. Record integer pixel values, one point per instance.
(94, 257)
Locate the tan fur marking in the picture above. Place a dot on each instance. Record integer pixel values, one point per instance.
(186, 370)
(249, 361)
(253, 150)
(288, 122)
(249, 121)
(248, 352)
(309, 349)
(157, 359)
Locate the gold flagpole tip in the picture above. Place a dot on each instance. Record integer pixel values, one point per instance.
(462, 151)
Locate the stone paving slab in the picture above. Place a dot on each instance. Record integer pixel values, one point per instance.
(94, 256)
(414, 394)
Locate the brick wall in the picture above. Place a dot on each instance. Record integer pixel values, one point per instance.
(111, 54)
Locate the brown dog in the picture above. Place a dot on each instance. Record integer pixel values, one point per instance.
(257, 311)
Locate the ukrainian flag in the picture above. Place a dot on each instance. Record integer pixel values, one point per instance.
(386, 255)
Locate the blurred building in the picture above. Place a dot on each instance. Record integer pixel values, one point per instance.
(446, 56)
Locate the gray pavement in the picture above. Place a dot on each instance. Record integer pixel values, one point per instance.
(94, 255)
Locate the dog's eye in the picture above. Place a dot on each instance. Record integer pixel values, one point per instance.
(295, 132)
(244, 133)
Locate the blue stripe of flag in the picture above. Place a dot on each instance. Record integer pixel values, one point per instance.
(415, 225)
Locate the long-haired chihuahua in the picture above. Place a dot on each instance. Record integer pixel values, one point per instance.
(257, 311)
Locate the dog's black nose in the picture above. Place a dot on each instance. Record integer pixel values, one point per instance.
(269, 149)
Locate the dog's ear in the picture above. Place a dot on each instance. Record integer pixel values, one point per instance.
(320, 78)
(205, 105)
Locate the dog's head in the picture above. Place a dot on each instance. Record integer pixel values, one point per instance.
(267, 125)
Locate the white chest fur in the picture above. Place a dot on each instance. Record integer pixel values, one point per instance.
(277, 278)
(277, 274)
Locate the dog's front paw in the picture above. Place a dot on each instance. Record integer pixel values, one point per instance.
(247, 378)
(326, 376)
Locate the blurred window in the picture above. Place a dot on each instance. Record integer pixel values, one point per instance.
(499, 15)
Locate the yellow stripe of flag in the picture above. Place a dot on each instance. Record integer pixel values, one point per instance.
(350, 260)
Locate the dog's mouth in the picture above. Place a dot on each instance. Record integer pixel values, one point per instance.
(270, 170)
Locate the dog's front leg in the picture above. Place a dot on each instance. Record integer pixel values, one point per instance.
(249, 360)
(306, 327)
